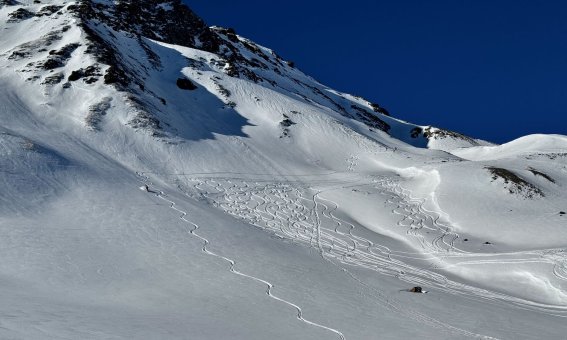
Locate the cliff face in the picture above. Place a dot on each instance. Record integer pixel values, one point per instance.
(169, 21)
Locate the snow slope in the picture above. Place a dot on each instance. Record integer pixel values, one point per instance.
(277, 207)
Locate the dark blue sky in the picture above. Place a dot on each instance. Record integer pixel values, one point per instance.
(492, 69)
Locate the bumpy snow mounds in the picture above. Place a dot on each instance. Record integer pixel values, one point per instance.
(275, 207)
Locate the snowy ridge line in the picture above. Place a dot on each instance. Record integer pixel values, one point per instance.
(232, 263)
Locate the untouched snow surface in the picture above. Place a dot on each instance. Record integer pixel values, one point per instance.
(269, 214)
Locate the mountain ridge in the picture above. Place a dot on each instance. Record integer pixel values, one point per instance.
(155, 187)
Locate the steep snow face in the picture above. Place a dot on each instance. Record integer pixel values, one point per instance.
(260, 179)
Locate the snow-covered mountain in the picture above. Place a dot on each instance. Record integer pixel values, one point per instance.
(276, 207)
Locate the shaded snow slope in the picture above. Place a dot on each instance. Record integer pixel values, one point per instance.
(277, 207)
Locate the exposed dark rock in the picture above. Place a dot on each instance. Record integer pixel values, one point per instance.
(416, 132)
(28, 49)
(89, 72)
(230, 105)
(541, 174)
(168, 21)
(59, 58)
(33, 78)
(53, 79)
(185, 84)
(287, 122)
(515, 184)
(379, 109)
(436, 133)
(90, 80)
(97, 112)
(145, 121)
(116, 75)
(416, 290)
(75, 75)
(48, 10)
(222, 90)
(8, 3)
(19, 15)
(370, 119)
(51, 64)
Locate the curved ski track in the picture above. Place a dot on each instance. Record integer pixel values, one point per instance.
(303, 225)
(232, 263)
(284, 209)
(287, 209)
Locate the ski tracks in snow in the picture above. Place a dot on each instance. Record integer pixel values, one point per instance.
(289, 213)
(232, 263)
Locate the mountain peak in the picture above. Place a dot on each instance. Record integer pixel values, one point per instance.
(117, 44)
(171, 22)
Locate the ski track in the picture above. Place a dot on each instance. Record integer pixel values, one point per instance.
(232, 263)
(294, 210)
(282, 208)
(344, 249)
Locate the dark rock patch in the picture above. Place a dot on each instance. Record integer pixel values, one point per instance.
(20, 14)
(515, 184)
(435, 133)
(91, 72)
(379, 109)
(116, 75)
(51, 64)
(8, 3)
(416, 132)
(370, 119)
(541, 174)
(48, 10)
(58, 58)
(287, 122)
(53, 79)
(28, 49)
(96, 113)
(185, 84)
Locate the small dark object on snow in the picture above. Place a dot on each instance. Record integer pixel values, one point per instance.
(416, 290)
(487, 242)
(466, 239)
(562, 213)
(185, 84)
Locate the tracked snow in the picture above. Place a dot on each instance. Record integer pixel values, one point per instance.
(275, 207)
